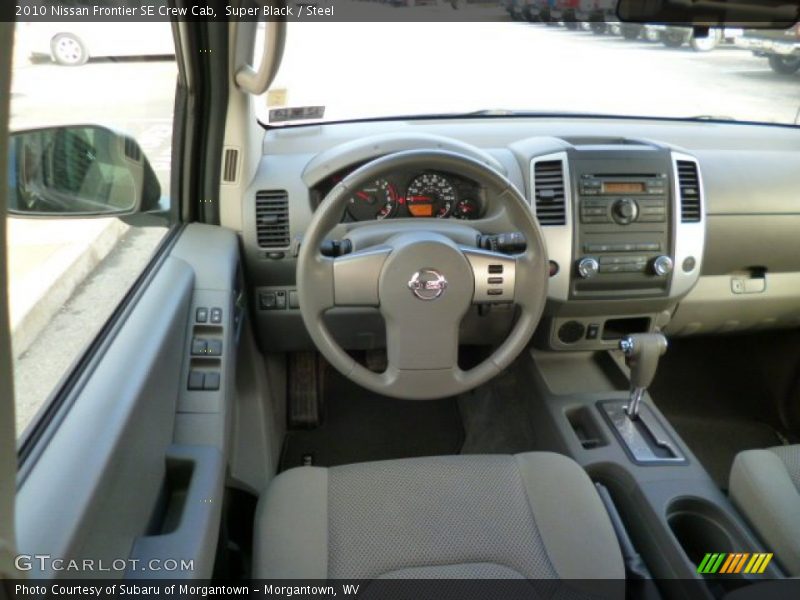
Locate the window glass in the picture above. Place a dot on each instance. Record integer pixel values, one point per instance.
(67, 276)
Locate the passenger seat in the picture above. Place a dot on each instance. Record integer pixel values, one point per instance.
(765, 485)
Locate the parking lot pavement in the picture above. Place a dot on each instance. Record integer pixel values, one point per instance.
(376, 69)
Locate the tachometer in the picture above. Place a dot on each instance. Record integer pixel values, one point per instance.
(430, 195)
(376, 201)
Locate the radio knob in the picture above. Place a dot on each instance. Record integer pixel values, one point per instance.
(588, 267)
(662, 265)
(625, 211)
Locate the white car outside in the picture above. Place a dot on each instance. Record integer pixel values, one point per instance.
(73, 44)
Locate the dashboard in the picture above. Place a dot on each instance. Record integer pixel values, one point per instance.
(409, 194)
(686, 227)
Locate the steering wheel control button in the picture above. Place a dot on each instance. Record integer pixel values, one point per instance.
(571, 332)
(216, 316)
(201, 315)
(662, 266)
(588, 267)
(495, 269)
(427, 284)
(199, 347)
(196, 380)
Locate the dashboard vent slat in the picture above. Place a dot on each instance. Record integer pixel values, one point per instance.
(549, 190)
(689, 185)
(230, 165)
(272, 218)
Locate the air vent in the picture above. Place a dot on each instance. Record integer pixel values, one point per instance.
(548, 188)
(272, 219)
(230, 165)
(689, 183)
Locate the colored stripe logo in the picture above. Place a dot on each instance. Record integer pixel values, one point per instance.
(734, 562)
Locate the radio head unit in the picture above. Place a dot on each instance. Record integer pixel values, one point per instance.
(622, 237)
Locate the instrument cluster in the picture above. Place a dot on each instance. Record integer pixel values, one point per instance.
(426, 194)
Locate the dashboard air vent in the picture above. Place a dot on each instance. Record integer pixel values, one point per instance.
(689, 184)
(272, 218)
(548, 188)
(230, 165)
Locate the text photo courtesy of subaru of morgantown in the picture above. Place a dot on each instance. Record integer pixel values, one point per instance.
(400, 299)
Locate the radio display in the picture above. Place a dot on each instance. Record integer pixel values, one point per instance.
(623, 187)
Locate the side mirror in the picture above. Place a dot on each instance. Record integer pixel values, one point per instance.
(78, 171)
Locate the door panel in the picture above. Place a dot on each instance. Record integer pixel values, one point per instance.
(109, 471)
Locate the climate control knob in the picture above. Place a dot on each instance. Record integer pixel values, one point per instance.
(588, 267)
(662, 265)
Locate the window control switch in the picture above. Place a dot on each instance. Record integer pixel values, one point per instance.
(199, 346)
(197, 380)
(211, 381)
(214, 348)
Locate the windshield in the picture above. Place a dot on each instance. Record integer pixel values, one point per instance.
(375, 70)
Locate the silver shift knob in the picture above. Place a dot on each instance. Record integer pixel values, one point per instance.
(642, 351)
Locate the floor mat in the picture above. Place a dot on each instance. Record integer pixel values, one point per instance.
(716, 441)
(361, 426)
(718, 395)
(498, 418)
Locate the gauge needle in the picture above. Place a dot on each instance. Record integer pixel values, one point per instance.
(362, 195)
(419, 199)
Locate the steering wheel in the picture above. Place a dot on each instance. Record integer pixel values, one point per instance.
(423, 275)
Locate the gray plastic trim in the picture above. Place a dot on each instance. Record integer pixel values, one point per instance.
(557, 237)
(364, 149)
(689, 238)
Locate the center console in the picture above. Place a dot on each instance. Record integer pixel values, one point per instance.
(629, 241)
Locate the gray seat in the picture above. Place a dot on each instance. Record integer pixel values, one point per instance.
(534, 516)
(765, 485)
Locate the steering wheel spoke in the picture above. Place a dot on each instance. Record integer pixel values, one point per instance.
(355, 277)
(495, 276)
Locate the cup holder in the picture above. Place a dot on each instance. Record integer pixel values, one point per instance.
(701, 527)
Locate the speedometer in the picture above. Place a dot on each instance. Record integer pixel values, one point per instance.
(430, 195)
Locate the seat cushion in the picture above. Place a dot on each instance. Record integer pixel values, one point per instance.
(534, 515)
(765, 485)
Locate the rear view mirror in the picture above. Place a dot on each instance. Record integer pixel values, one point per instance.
(768, 14)
(78, 171)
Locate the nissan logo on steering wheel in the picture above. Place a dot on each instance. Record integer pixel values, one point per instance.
(427, 284)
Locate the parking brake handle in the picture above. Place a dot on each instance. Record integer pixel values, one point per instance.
(642, 351)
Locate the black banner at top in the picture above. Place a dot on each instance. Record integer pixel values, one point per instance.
(757, 13)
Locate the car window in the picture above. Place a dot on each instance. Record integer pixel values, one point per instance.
(67, 276)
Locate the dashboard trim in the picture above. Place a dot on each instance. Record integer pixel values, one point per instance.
(557, 237)
(688, 238)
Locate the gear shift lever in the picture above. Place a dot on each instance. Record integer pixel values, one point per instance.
(642, 351)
